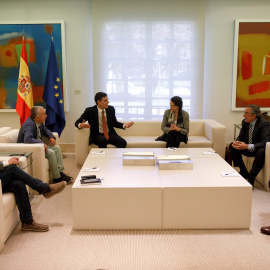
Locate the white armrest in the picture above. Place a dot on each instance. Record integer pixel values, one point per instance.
(2, 225)
(38, 154)
(216, 132)
(81, 144)
(46, 140)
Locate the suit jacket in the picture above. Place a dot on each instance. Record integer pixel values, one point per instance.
(1, 166)
(91, 115)
(28, 132)
(165, 126)
(261, 133)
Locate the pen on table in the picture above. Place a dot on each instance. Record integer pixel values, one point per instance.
(229, 173)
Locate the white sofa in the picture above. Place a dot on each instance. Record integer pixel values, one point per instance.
(9, 213)
(202, 133)
(40, 165)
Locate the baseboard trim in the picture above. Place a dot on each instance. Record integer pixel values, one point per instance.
(67, 147)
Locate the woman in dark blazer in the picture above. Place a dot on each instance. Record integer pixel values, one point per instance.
(175, 124)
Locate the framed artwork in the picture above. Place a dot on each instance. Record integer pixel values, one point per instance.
(37, 36)
(251, 70)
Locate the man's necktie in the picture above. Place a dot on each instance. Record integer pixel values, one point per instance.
(104, 124)
(250, 132)
(38, 133)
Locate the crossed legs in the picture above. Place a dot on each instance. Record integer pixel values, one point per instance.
(258, 163)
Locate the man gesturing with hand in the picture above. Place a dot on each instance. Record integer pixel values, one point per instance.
(102, 120)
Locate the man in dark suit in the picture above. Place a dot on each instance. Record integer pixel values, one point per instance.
(14, 179)
(32, 131)
(101, 118)
(254, 134)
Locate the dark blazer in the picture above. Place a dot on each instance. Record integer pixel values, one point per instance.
(261, 133)
(28, 132)
(91, 115)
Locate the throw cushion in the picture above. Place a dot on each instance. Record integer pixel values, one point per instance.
(10, 137)
(4, 130)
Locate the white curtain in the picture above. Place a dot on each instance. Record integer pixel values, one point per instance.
(145, 52)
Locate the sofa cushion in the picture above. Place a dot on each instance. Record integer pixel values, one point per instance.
(149, 142)
(10, 136)
(197, 142)
(143, 142)
(9, 203)
(4, 130)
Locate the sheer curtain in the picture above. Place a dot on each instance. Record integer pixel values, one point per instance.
(145, 52)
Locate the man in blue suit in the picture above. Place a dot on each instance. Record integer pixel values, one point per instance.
(32, 131)
(101, 118)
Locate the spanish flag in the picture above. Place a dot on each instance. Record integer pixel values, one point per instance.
(24, 92)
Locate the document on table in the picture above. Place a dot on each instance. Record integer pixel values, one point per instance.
(98, 153)
(172, 148)
(94, 169)
(209, 153)
(173, 157)
(229, 174)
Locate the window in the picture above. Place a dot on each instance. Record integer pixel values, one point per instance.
(145, 64)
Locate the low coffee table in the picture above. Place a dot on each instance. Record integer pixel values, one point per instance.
(144, 197)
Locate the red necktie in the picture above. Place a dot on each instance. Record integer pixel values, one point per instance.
(104, 124)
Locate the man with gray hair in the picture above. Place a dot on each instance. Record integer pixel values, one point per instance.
(32, 131)
(254, 134)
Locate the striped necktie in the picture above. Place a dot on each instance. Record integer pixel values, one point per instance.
(250, 132)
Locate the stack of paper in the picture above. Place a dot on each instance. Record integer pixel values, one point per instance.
(145, 154)
(174, 162)
(173, 157)
(138, 159)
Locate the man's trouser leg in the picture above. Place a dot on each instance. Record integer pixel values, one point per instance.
(257, 164)
(54, 157)
(14, 180)
(58, 155)
(238, 160)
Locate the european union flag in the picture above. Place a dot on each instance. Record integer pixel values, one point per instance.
(53, 97)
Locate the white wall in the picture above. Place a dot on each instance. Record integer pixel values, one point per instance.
(218, 68)
(219, 38)
(77, 17)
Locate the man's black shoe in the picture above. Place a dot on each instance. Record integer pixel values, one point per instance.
(66, 178)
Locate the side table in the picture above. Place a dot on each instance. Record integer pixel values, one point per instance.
(27, 155)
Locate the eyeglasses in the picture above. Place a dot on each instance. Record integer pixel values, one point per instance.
(21, 167)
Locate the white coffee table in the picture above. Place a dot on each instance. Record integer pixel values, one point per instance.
(145, 197)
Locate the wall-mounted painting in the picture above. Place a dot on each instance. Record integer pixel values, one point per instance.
(37, 36)
(251, 75)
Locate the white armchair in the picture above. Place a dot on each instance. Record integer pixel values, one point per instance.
(40, 165)
(9, 213)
